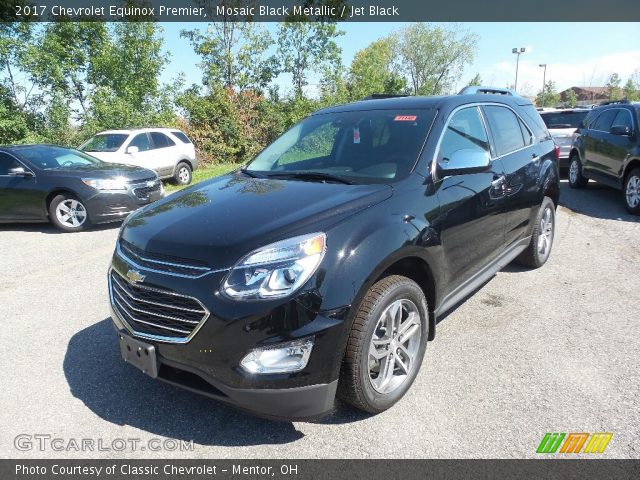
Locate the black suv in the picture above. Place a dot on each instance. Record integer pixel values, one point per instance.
(607, 149)
(323, 265)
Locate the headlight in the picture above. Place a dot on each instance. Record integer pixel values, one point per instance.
(276, 270)
(282, 358)
(118, 183)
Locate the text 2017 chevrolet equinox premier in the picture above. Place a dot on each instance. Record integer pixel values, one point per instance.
(321, 267)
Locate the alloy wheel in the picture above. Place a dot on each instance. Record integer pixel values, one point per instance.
(394, 346)
(546, 231)
(573, 171)
(183, 175)
(71, 213)
(632, 192)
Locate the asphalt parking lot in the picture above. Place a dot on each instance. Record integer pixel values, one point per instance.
(551, 350)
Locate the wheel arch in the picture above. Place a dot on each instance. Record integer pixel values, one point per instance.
(53, 193)
(418, 270)
(631, 164)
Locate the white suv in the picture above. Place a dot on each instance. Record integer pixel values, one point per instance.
(167, 151)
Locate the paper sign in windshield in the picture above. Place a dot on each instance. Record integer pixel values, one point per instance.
(405, 118)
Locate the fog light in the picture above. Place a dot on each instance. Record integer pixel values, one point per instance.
(282, 358)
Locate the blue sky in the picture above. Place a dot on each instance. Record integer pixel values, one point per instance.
(583, 54)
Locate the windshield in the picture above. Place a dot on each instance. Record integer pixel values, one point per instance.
(50, 158)
(365, 146)
(104, 142)
(563, 119)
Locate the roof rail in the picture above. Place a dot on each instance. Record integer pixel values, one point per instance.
(378, 96)
(476, 89)
(613, 102)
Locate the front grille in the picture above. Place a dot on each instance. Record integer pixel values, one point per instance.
(156, 313)
(161, 263)
(145, 192)
(142, 180)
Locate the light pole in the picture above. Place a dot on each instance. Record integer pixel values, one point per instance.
(544, 80)
(518, 52)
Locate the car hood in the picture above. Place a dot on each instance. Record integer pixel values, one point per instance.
(104, 170)
(114, 157)
(219, 221)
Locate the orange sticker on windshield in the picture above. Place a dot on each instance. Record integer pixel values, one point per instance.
(405, 118)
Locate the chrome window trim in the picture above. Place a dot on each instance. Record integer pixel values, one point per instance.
(148, 336)
(206, 270)
(434, 161)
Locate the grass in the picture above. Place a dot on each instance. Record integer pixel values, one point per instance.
(204, 173)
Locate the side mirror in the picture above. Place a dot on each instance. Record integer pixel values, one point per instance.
(620, 130)
(20, 172)
(465, 161)
(132, 149)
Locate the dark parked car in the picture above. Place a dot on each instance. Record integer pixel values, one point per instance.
(40, 183)
(324, 264)
(562, 125)
(607, 149)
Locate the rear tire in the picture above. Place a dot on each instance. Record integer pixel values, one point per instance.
(386, 345)
(182, 175)
(631, 192)
(538, 250)
(68, 213)
(576, 178)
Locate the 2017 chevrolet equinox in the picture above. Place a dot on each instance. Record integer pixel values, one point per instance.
(321, 267)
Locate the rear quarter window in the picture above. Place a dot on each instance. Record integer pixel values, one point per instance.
(181, 136)
(534, 121)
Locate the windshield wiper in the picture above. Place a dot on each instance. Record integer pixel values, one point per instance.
(319, 176)
(250, 173)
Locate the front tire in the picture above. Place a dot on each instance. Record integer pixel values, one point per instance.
(68, 213)
(538, 250)
(632, 192)
(182, 175)
(576, 178)
(386, 345)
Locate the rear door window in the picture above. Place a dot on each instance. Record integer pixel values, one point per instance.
(160, 140)
(506, 129)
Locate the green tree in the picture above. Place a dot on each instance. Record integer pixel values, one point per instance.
(433, 57)
(475, 81)
(235, 54)
(549, 96)
(631, 90)
(305, 47)
(373, 70)
(571, 99)
(613, 87)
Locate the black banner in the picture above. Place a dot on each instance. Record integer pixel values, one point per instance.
(320, 469)
(322, 10)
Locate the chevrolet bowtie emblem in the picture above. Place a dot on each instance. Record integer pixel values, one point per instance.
(135, 276)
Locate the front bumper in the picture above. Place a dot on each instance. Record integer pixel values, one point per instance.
(109, 206)
(294, 403)
(208, 363)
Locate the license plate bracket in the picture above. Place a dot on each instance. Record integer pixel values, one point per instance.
(139, 354)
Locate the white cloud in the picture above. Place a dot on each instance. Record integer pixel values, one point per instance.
(590, 72)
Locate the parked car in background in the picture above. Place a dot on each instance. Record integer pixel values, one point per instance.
(607, 150)
(70, 189)
(562, 124)
(324, 264)
(168, 152)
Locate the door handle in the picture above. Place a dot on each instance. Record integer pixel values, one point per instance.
(498, 181)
